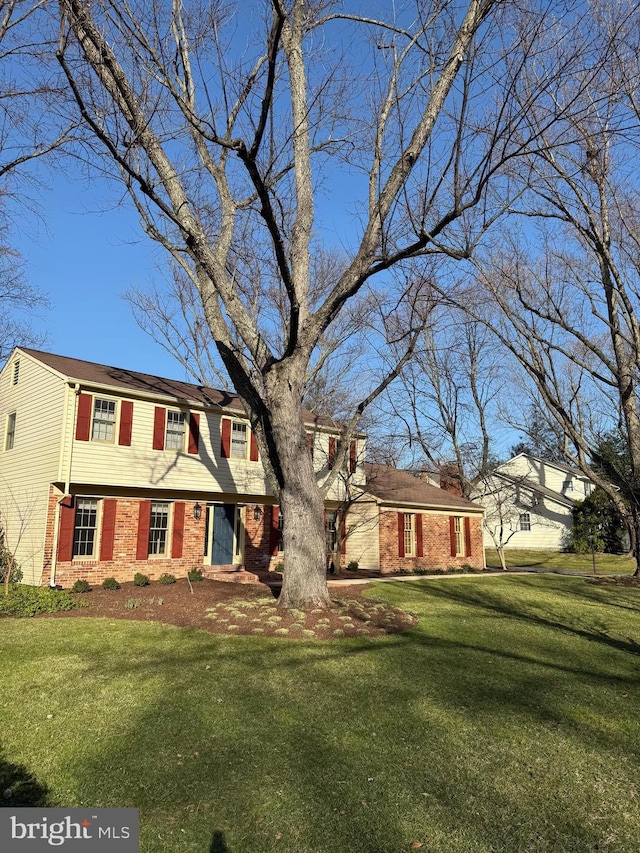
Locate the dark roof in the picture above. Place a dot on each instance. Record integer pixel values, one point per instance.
(131, 380)
(393, 486)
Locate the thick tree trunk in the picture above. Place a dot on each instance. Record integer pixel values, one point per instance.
(305, 573)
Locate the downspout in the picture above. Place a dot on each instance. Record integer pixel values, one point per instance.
(67, 483)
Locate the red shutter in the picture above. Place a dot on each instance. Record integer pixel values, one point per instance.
(343, 538)
(65, 534)
(144, 522)
(419, 545)
(400, 534)
(126, 423)
(332, 451)
(194, 432)
(275, 517)
(159, 423)
(108, 528)
(225, 444)
(310, 442)
(83, 420)
(353, 456)
(178, 530)
(253, 454)
(452, 535)
(467, 536)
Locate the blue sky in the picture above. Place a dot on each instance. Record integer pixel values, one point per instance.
(84, 251)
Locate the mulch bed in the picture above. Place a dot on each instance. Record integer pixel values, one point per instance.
(617, 580)
(228, 608)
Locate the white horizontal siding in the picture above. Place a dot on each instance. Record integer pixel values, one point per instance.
(363, 541)
(27, 470)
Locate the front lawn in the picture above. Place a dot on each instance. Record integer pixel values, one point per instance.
(506, 721)
(606, 564)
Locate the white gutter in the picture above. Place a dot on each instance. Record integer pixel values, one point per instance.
(67, 482)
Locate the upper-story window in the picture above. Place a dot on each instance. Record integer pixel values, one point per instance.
(567, 486)
(175, 431)
(10, 435)
(238, 440)
(104, 420)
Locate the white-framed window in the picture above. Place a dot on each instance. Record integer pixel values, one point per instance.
(238, 440)
(458, 527)
(85, 527)
(280, 533)
(10, 433)
(174, 437)
(331, 530)
(158, 527)
(409, 534)
(524, 521)
(104, 420)
(567, 486)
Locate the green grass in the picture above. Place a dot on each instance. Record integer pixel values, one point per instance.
(507, 721)
(606, 564)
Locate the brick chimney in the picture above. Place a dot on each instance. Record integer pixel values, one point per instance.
(450, 479)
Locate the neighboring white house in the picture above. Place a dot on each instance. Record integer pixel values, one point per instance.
(528, 502)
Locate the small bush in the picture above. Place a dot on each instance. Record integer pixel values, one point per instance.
(279, 567)
(16, 574)
(81, 585)
(195, 575)
(110, 583)
(141, 580)
(353, 566)
(32, 600)
(166, 579)
(132, 603)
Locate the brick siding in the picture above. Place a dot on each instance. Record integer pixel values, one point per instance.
(435, 542)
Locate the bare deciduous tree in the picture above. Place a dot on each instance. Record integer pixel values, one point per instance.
(229, 134)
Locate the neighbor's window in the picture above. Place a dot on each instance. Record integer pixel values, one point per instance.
(10, 435)
(104, 420)
(84, 531)
(174, 439)
(158, 526)
(409, 534)
(458, 529)
(238, 440)
(524, 522)
(567, 486)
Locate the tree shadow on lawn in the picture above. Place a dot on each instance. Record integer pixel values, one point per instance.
(478, 595)
(19, 787)
(288, 759)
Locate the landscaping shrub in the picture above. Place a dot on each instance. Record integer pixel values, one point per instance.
(81, 585)
(279, 567)
(32, 600)
(353, 566)
(167, 579)
(16, 574)
(195, 575)
(110, 583)
(141, 580)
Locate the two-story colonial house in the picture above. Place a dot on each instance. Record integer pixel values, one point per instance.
(108, 472)
(529, 501)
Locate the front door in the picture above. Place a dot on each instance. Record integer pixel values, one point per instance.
(224, 516)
